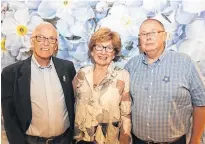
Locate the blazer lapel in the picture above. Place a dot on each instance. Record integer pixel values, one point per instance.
(24, 87)
(66, 83)
(62, 74)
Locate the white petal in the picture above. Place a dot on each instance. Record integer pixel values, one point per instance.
(34, 21)
(183, 17)
(83, 12)
(175, 2)
(169, 27)
(117, 11)
(135, 3)
(23, 55)
(154, 5)
(22, 16)
(100, 16)
(195, 6)
(64, 44)
(13, 42)
(64, 15)
(195, 49)
(92, 3)
(81, 53)
(101, 6)
(168, 10)
(25, 40)
(79, 30)
(16, 5)
(111, 1)
(202, 15)
(140, 17)
(8, 26)
(196, 29)
(6, 59)
(47, 9)
(33, 4)
(63, 54)
(63, 28)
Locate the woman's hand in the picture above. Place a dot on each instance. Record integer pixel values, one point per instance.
(124, 138)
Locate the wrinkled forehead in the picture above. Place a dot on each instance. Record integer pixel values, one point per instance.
(150, 25)
(45, 29)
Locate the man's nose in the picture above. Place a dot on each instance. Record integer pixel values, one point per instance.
(46, 42)
(148, 36)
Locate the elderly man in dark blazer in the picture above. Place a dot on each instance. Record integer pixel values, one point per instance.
(37, 94)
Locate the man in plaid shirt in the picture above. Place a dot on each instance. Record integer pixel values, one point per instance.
(166, 89)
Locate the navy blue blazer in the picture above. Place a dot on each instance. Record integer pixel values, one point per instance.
(16, 101)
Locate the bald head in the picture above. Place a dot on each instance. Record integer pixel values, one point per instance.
(44, 41)
(153, 21)
(152, 38)
(44, 25)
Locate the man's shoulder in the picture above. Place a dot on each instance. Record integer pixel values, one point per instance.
(134, 60)
(15, 66)
(67, 62)
(177, 56)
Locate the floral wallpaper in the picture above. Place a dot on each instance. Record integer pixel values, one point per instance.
(76, 20)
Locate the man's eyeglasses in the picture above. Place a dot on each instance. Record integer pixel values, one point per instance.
(107, 48)
(151, 34)
(42, 39)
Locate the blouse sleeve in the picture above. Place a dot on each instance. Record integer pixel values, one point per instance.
(125, 107)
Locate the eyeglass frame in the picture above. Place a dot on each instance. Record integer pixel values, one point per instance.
(45, 38)
(103, 47)
(152, 34)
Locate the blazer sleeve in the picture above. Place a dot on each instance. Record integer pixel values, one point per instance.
(13, 131)
(72, 73)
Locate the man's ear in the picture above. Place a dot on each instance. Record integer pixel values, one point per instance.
(56, 47)
(166, 36)
(32, 43)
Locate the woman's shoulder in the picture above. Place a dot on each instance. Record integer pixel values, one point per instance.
(121, 72)
(83, 71)
(86, 69)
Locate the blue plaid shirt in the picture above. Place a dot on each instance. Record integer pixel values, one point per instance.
(163, 95)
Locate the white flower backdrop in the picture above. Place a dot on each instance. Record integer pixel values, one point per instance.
(77, 20)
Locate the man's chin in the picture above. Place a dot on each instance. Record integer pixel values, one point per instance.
(44, 57)
(151, 51)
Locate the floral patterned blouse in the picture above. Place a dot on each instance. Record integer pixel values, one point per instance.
(102, 111)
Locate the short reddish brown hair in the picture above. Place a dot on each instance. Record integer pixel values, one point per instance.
(103, 35)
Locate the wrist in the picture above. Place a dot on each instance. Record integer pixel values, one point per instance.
(194, 140)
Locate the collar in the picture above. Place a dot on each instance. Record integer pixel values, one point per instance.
(145, 61)
(50, 65)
